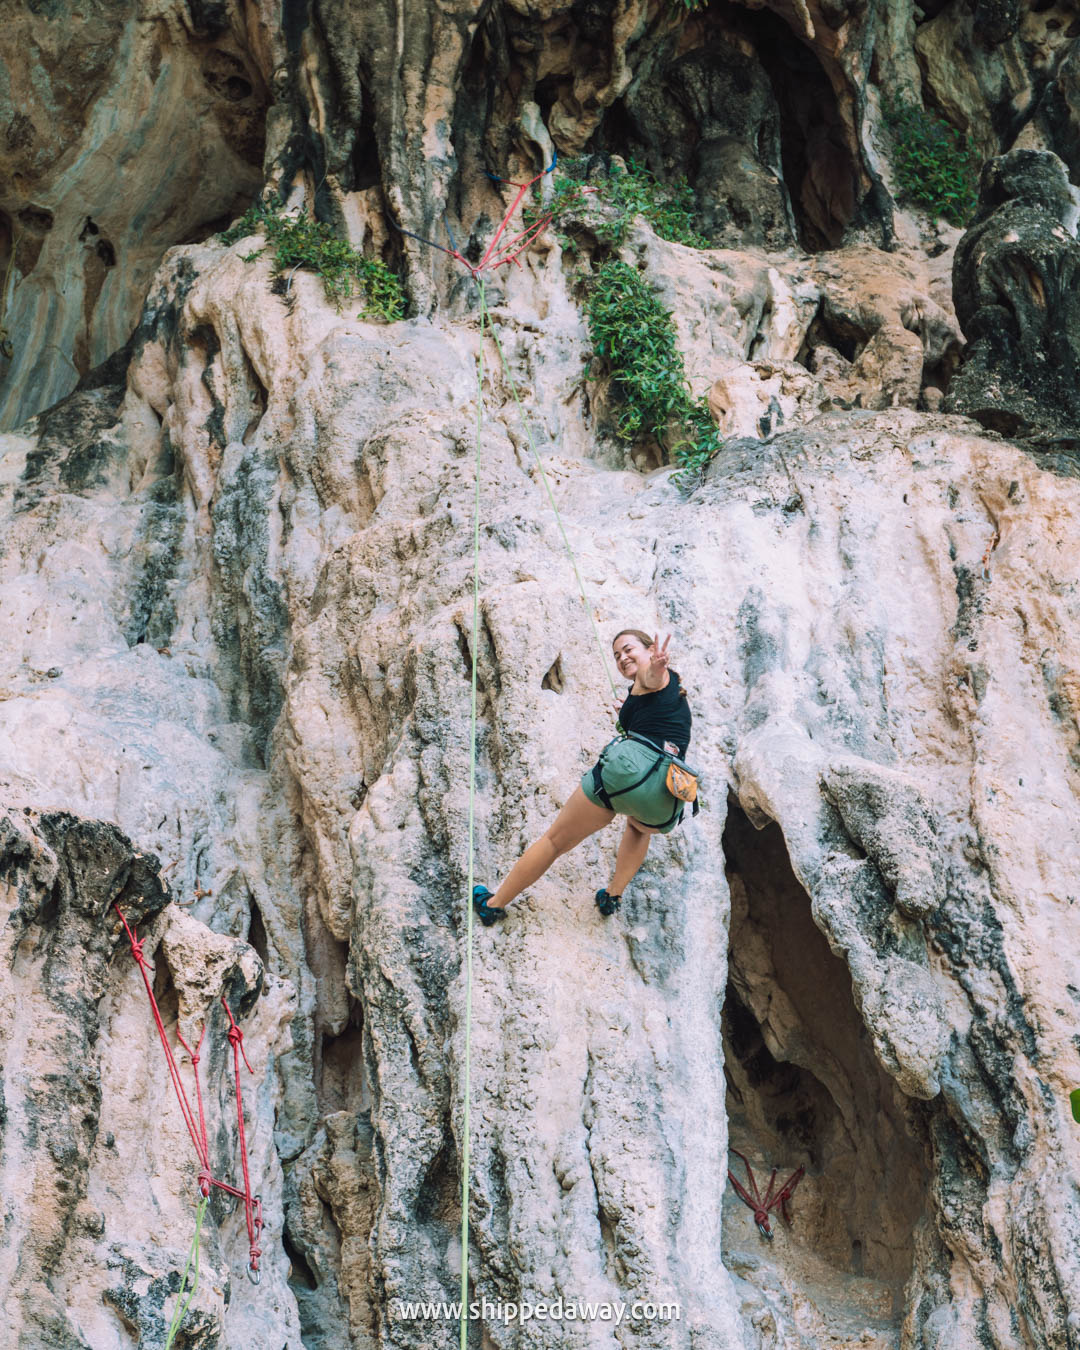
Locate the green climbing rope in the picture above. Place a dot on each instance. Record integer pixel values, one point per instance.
(464, 1325)
(182, 1307)
(487, 322)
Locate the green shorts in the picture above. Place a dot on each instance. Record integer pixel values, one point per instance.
(624, 763)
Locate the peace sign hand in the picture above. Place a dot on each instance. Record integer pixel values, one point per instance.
(658, 662)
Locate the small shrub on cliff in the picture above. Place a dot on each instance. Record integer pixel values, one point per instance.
(633, 333)
(937, 165)
(669, 209)
(612, 203)
(303, 242)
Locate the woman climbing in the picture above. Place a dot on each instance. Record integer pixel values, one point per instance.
(629, 779)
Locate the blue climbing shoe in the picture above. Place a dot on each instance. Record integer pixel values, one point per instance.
(480, 897)
(607, 904)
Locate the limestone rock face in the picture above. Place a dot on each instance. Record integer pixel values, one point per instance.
(889, 318)
(718, 95)
(236, 657)
(237, 596)
(1014, 285)
(99, 1200)
(1015, 58)
(128, 128)
(131, 128)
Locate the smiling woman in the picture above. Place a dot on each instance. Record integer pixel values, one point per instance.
(630, 778)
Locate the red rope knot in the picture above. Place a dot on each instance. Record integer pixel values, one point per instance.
(205, 1181)
(772, 1199)
(236, 1040)
(255, 1211)
(235, 1035)
(193, 1055)
(136, 943)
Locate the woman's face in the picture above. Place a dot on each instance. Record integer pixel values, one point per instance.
(631, 655)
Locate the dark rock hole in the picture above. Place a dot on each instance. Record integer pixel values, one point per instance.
(466, 658)
(256, 935)
(209, 18)
(301, 1273)
(168, 1000)
(554, 679)
(36, 219)
(366, 169)
(830, 330)
(805, 1089)
(438, 1204)
(607, 1237)
(820, 168)
(258, 397)
(341, 1081)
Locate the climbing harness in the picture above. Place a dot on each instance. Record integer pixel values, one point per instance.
(606, 795)
(762, 1204)
(196, 1126)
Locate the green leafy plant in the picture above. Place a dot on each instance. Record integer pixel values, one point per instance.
(303, 242)
(635, 335)
(936, 165)
(611, 204)
(669, 209)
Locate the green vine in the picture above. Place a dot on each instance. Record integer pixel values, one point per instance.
(303, 242)
(635, 335)
(936, 165)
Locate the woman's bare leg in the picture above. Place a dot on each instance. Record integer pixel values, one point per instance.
(576, 821)
(633, 847)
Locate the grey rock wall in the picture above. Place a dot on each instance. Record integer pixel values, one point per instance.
(235, 600)
(128, 129)
(875, 612)
(1013, 282)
